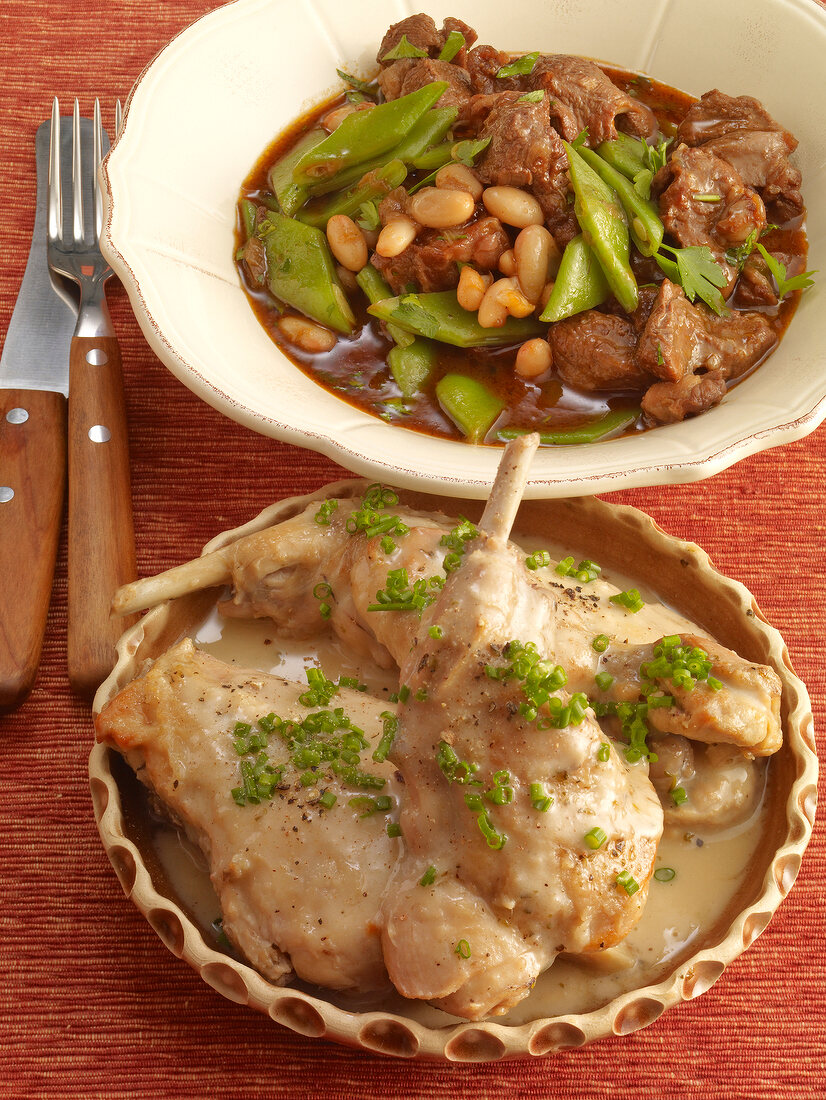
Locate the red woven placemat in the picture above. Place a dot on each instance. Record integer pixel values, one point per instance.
(91, 1003)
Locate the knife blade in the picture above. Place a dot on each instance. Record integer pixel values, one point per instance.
(34, 382)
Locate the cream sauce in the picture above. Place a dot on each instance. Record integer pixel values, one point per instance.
(710, 866)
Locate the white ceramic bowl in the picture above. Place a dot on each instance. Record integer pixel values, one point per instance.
(216, 96)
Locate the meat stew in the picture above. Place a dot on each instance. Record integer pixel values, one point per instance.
(474, 245)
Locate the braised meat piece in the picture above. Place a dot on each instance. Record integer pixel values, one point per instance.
(703, 201)
(525, 151)
(483, 63)
(740, 131)
(671, 344)
(409, 74)
(761, 158)
(670, 402)
(597, 351)
(581, 96)
(421, 32)
(716, 114)
(432, 261)
(681, 338)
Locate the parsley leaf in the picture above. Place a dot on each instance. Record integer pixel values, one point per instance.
(532, 97)
(465, 152)
(368, 216)
(454, 42)
(697, 272)
(403, 48)
(368, 86)
(738, 256)
(655, 156)
(521, 66)
(785, 286)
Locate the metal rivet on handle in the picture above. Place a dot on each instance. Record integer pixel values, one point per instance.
(98, 433)
(17, 416)
(6, 493)
(97, 357)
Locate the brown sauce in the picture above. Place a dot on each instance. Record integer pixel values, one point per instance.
(356, 369)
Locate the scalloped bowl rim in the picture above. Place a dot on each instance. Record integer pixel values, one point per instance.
(690, 977)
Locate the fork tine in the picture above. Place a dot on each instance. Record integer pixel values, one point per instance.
(77, 175)
(97, 156)
(55, 218)
(118, 117)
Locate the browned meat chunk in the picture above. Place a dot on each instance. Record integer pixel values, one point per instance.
(761, 158)
(703, 201)
(597, 351)
(673, 335)
(670, 402)
(583, 96)
(680, 338)
(432, 261)
(739, 130)
(716, 114)
(483, 63)
(421, 32)
(525, 151)
(408, 75)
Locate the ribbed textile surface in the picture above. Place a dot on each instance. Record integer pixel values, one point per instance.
(91, 1003)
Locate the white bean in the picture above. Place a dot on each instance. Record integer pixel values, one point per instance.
(532, 251)
(347, 242)
(395, 237)
(439, 208)
(458, 177)
(306, 334)
(333, 119)
(472, 287)
(533, 358)
(512, 206)
(507, 263)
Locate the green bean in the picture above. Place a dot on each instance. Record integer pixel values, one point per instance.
(364, 135)
(412, 365)
(602, 220)
(580, 283)
(469, 404)
(429, 130)
(440, 317)
(643, 220)
(434, 158)
(372, 187)
(590, 432)
(377, 290)
(292, 196)
(301, 271)
(246, 210)
(626, 154)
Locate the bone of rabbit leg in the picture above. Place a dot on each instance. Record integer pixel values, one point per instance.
(205, 572)
(298, 884)
(508, 487)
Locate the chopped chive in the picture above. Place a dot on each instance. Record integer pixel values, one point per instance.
(393, 829)
(665, 874)
(604, 753)
(435, 632)
(327, 800)
(600, 643)
(627, 881)
(462, 949)
(679, 796)
(604, 680)
(540, 799)
(595, 838)
(428, 877)
(630, 600)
